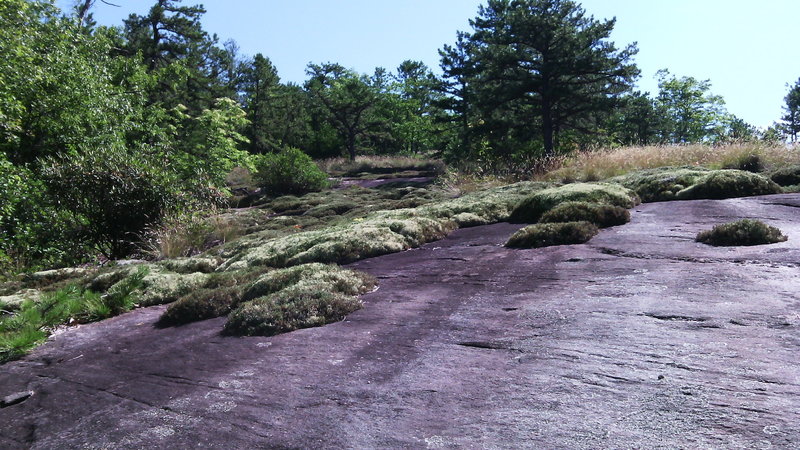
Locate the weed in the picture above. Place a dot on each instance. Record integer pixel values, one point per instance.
(533, 207)
(741, 232)
(602, 215)
(549, 234)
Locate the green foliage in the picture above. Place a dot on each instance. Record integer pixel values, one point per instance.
(535, 64)
(533, 207)
(791, 118)
(599, 214)
(35, 320)
(689, 111)
(549, 234)
(741, 232)
(115, 197)
(289, 172)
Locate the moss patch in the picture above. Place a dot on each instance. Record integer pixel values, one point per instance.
(201, 304)
(549, 234)
(298, 297)
(741, 232)
(602, 215)
(787, 176)
(688, 183)
(533, 207)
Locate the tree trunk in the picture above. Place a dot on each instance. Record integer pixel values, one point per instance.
(547, 127)
(351, 145)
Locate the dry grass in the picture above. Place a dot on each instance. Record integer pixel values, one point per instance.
(379, 164)
(603, 164)
(191, 235)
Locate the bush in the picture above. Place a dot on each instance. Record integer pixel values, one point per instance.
(289, 172)
(602, 215)
(787, 176)
(532, 208)
(116, 198)
(549, 234)
(741, 232)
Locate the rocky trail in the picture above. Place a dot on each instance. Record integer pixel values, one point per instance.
(642, 338)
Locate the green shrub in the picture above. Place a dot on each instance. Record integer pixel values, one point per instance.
(115, 197)
(602, 215)
(289, 172)
(299, 306)
(549, 234)
(741, 232)
(787, 176)
(532, 208)
(729, 184)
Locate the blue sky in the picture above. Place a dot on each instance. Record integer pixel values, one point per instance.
(747, 49)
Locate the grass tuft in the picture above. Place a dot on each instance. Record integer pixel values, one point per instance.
(742, 232)
(550, 234)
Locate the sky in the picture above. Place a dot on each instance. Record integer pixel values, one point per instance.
(746, 48)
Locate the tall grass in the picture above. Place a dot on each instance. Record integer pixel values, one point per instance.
(379, 164)
(602, 164)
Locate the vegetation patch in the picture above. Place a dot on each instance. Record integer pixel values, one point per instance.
(201, 304)
(729, 184)
(33, 321)
(787, 176)
(600, 214)
(298, 297)
(741, 232)
(661, 184)
(549, 234)
(288, 172)
(533, 207)
(341, 167)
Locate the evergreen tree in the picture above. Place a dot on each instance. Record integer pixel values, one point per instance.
(542, 62)
(791, 118)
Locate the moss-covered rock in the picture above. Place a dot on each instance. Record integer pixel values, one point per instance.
(787, 176)
(689, 183)
(191, 265)
(202, 304)
(533, 207)
(10, 303)
(160, 288)
(662, 184)
(344, 281)
(602, 215)
(729, 184)
(549, 234)
(741, 232)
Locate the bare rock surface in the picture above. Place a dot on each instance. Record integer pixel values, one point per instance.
(640, 339)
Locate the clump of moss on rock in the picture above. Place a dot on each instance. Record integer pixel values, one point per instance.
(729, 184)
(298, 297)
(602, 215)
(533, 207)
(691, 183)
(741, 232)
(549, 234)
(787, 176)
(662, 184)
(201, 304)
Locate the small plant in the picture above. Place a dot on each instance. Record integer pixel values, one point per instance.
(289, 172)
(602, 215)
(742, 232)
(549, 234)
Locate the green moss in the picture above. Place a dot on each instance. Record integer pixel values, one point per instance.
(683, 183)
(601, 215)
(191, 265)
(662, 184)
(533, 207)
(787, 176)
(160, 288)
(298, 297)
(741, 232)
(202, 304)
(331, 209)
(729, 184)
(290, 309)
(549, 234)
